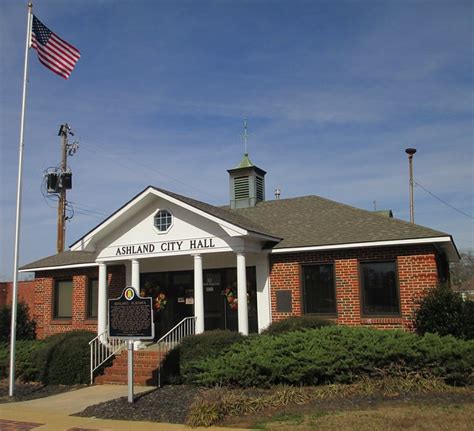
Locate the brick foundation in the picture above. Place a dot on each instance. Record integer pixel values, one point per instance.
(416, 268)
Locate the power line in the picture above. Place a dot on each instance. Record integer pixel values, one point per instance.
(153, 169)
(87, 208)
(442, 201)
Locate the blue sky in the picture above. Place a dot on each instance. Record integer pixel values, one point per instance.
(333, 91)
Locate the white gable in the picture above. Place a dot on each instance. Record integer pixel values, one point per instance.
(189, 232)
(131, 232)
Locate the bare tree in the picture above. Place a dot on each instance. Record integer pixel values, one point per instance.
(462, 272)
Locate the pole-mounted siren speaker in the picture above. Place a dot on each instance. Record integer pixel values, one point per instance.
(52, 180)
(66, 180)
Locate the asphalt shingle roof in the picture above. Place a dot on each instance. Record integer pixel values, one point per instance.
(299, 222)
(316, 221)
(62, 259)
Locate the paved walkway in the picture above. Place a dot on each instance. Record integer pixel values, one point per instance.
(52, 413)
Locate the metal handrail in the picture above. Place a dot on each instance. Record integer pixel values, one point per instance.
(173, 338)
(103, 348)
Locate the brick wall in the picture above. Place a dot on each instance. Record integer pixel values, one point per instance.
(26, 293)
(416, 268)
(44, 298)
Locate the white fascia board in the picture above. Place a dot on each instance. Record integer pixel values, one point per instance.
(52, 268)
(264, 237)
(364, 244)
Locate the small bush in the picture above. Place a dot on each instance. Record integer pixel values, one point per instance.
(27, 369)
(178, 364)
(25, 327)
(336, 354)
(468, 318)
(65, 358)
(62, 359)
(296, 324)
(443, 312)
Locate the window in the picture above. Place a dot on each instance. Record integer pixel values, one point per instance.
(379, 288)
(163, 220)
(63, 299)
(319, 293)
(92, 297)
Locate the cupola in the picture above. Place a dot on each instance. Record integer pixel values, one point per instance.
(247, 184)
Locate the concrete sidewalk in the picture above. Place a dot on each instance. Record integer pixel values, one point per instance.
(52, 413)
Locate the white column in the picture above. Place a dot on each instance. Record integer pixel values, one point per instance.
(128, 273)
(242, 307)
(263, 292)
(136, 286)
(198, 294)
(102, 299)
(136, 276)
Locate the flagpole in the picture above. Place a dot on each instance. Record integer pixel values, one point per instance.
(18, 209)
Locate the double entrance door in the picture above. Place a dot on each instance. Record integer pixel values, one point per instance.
(173, 298)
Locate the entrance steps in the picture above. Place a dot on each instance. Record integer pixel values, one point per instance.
(146, 365)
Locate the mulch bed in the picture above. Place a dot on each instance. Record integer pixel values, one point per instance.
(31, 391)
(171, 404)
(167, 404)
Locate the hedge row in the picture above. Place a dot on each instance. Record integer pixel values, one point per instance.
(61, 359)
(179, 363)
(333, 354)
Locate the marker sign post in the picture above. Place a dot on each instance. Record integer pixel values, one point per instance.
(131, 319)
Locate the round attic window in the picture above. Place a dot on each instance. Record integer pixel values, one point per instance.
(163, 220)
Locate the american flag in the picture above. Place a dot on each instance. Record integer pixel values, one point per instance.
(53, 52)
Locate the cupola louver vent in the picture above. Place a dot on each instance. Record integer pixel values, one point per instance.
(260, 191)
(241, 187)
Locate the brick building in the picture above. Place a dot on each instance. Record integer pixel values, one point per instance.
(26, 294)
(243, 265)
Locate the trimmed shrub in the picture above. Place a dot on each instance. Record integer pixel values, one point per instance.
(179, 362)
(297, 323)
(468, 318)
(65, 358)
(25, 327)
(335, 354)
(27, 369)
(443, 312)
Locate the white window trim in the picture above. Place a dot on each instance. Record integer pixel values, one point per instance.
(161, 232)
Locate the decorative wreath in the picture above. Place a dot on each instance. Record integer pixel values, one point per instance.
(232, 299)
(160, 301)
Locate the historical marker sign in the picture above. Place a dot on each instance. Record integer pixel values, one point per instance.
(131, 316)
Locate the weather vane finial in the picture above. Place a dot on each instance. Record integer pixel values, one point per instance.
(245, 135)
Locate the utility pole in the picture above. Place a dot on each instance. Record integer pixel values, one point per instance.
(410, 152)
(63, 182)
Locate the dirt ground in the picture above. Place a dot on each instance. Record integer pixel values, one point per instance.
(31, 391)
(427, 412)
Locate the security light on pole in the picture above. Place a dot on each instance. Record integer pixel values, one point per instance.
(411, 152)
